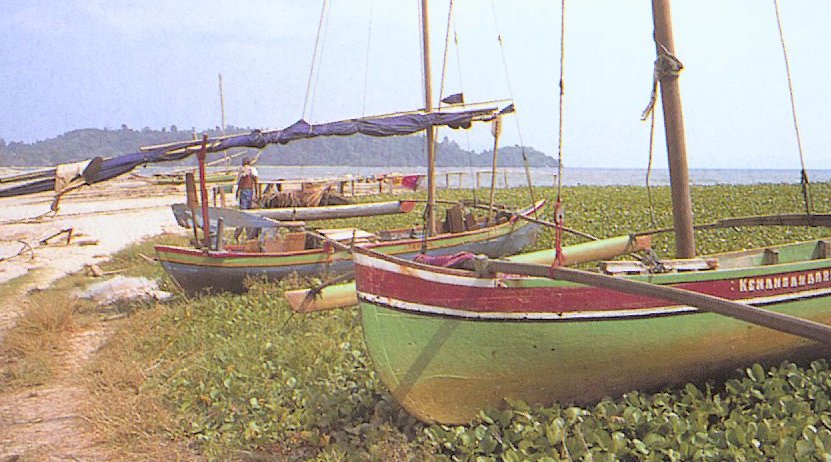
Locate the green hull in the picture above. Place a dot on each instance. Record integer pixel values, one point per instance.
(446, 369)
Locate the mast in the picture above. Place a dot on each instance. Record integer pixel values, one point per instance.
(674, 128)
(430, 226)
(222, 104)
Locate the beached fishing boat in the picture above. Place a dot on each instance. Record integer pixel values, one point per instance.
(450, 342)
(327, 252)
(237, 218)
(304, 254)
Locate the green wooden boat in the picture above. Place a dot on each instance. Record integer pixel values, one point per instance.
(448, 343)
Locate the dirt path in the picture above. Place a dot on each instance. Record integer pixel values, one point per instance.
(45, 422)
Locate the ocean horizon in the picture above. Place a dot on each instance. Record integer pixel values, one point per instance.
(540, 176)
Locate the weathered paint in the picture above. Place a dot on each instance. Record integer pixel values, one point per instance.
(448, 344)
(343, 295)
(196, 270)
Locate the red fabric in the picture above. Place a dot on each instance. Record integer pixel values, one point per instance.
(410, 181)
(447, 261)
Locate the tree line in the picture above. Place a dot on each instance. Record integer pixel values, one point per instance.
(357, 150)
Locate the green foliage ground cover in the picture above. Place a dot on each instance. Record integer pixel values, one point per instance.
(246, 379)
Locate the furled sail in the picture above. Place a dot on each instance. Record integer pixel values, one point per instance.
(379, 126)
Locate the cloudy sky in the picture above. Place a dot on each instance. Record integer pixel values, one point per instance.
(155, 63)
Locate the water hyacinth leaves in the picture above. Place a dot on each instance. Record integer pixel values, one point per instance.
(317, 399)
(778, 414)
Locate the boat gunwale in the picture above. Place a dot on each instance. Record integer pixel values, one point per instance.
(221, 255)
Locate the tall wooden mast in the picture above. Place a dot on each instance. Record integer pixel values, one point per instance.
(222, 104)
(674, 129)
(430, 226)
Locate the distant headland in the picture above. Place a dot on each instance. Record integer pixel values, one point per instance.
(355, 150)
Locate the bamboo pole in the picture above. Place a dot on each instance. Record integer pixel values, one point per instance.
(496, 130)
(192, 202)
(759, 316)
(430, 227)
(674, 130)
(206, 222)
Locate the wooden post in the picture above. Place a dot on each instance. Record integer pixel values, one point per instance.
(220, 234)
(206, 222)
(431, 132)
(222, 201)
(193, 203)
(222, 104)
(496, 129)
(674, 128)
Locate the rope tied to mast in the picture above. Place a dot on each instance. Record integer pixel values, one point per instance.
(667, 66)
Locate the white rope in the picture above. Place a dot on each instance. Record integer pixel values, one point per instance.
(806, 193)
(516, 113)
(366, 62)
(320, 28)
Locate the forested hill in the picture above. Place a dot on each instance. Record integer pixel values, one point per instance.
(357, 150)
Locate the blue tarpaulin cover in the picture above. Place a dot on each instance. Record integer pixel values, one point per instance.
(394, 125)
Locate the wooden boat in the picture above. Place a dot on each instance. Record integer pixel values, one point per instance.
(235, 218)
(226, 270)
(451, 342)
(448, 343)
(214, 177)
(345, 294)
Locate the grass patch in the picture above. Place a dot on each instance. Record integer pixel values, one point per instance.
(239, 377)
(29, 347)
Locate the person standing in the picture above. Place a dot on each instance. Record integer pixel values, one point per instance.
(246, 184)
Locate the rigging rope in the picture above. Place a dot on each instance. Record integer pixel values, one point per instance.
(366, 62)
(320, 27)
(806, 184)
(511, 93)
(461, 88)
(559, 215)
(649, 170)
(444, 56)
(666, 65)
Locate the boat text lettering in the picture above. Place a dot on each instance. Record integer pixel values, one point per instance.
(784, 282)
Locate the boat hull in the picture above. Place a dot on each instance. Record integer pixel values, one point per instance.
(197, 270)
(448, 344)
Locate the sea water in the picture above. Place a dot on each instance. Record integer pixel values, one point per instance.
(458, 177)
(515, 176)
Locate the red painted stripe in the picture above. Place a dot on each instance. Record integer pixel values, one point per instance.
(410, 288)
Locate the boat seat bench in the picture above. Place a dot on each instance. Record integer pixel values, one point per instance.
(667, 266)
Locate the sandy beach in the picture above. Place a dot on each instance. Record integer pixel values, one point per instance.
(46, 422)
(104, 218)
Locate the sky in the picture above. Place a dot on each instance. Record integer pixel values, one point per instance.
(155, 63)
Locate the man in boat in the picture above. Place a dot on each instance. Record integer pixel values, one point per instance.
(246, 184)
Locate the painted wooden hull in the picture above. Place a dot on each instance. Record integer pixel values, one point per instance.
(210, 178)
(258, 217)
(343, 295)
(197, 270)
(448, 344)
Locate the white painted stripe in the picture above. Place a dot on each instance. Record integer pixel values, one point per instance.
(472, 281)
(438, 310)
(573, 315)
(427, 275)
